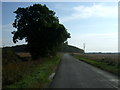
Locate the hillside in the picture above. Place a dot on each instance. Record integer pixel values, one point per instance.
(66, 49)
(72, 49)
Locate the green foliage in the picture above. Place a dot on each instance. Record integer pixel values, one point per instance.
(40, 28)
(27, 74)
(105, 65)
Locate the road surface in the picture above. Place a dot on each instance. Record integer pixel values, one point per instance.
(72, 73)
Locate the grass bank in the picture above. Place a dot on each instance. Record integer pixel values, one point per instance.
(108, 66)
(27, 74)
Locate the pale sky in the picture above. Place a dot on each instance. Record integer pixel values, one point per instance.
(92, 23)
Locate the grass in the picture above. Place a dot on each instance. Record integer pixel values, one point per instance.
(38, 78)
(110, 66)
(27, 74)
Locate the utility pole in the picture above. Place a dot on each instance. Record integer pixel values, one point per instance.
(84, 47)
(3, 45)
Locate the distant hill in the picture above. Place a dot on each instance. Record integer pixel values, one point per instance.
(18, 48)
(66, 49)
(72, 49)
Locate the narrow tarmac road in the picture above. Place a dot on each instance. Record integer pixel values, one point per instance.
(72, 73)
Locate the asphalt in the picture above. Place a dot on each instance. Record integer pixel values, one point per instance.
(73, 73)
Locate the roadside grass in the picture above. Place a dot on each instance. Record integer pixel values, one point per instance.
(105, 65)
(27, 74)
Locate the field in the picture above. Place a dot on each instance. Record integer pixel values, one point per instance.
(108, 57)
(20, 71)
(107, 61)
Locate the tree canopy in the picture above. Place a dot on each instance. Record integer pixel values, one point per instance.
(41, 30)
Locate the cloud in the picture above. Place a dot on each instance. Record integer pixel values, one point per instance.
(6, 39)
(8, 27)
(94, 11)
(61, 0)
(102, 35)
(96, 42)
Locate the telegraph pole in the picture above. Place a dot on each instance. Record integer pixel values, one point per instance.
(3, 45)
(84, 47)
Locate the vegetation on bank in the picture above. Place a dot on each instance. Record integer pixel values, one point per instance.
(17, 73)
(105, 64)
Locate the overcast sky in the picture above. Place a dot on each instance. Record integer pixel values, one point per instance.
(92, 23)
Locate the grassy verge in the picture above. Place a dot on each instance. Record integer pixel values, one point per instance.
(28, 74)
(113, 68)
(39, 76)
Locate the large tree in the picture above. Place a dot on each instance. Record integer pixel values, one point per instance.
(41, 30)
